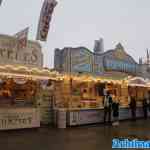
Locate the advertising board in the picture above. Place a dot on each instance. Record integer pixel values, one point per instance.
(17, 118)
(10, 54)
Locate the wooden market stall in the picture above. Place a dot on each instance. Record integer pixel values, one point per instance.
(25, 96)
(82, 96)
(138, 88)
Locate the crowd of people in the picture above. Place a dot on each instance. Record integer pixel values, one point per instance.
(111, 108)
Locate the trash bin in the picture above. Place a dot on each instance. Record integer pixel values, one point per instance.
(61, 118)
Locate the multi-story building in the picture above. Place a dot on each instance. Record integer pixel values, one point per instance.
(110, 62)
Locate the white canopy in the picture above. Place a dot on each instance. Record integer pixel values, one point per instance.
(138, 81)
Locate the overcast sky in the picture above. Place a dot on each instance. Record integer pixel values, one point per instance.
(80, 22)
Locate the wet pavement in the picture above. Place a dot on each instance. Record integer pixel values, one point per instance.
(93, 137)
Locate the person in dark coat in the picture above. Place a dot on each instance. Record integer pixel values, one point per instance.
(148, 103)
(115, 108)
(133, 108)
(145, 107)
(107, 107)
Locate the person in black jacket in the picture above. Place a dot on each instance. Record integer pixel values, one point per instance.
(115, 108)
(107, 107)
(145, 107)
(133, 108)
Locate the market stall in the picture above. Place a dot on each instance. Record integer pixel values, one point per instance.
(82, 97)
(22, 97)
(138, 88)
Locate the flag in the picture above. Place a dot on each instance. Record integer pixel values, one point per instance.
(22, 38)
(45, 18)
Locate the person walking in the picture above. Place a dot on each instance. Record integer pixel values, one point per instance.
(115, 108)
(107, 107)
(133, 108)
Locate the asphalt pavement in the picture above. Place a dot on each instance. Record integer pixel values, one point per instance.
(92, 137)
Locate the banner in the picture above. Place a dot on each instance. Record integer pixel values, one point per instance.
(45, 18)
(19, 118)
(22, 37)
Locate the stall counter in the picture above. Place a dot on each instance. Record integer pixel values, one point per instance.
(85, 116)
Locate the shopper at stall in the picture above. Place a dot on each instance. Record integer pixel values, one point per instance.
(107, 107)
(133, 108)
(115, 109)
(145, 107)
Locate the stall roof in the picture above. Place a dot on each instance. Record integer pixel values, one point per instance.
(138, 81)
(114, 75)
(23, 71)
(90, 78)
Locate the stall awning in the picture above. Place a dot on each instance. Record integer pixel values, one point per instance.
(101, 78)
(138, 81)
(28, 72)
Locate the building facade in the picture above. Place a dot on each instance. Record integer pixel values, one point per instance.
(112, 62)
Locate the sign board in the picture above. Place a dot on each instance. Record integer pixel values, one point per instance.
(17, 118)
(10, 54)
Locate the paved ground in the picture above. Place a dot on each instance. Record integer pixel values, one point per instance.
(95, 137)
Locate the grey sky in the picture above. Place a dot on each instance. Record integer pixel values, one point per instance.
(80, 22)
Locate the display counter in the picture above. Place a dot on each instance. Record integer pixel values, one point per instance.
(19, 118)
(95, 115)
